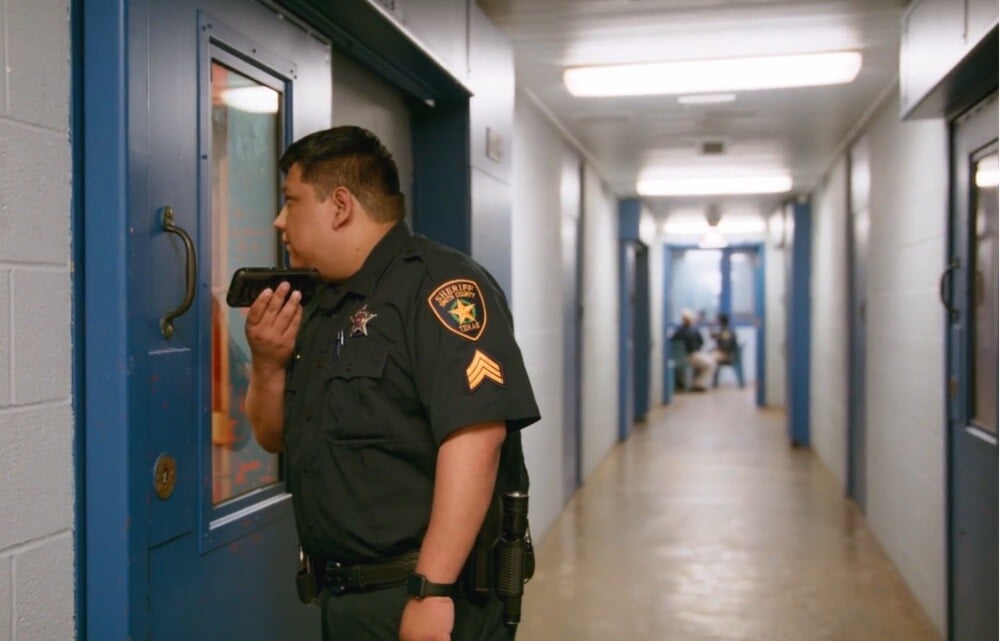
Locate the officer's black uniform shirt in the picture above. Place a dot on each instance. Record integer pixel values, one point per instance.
(416, 345)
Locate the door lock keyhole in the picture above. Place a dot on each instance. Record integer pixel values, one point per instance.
(164, 476)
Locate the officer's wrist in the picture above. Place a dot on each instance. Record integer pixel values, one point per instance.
(420, 587)
(264, 372)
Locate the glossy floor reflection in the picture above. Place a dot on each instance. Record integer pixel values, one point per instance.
(706, 526)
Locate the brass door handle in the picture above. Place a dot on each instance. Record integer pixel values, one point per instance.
(190, 273)
(942, 283)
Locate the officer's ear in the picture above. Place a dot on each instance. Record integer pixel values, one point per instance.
(342, 204)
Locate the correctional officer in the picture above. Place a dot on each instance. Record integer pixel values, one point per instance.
(392, 394)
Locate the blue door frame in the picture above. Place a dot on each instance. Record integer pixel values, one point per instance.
(725, 306)
(112, 534)
(633, 329)
(799, 274)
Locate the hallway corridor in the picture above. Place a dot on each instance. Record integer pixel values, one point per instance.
(706, 526)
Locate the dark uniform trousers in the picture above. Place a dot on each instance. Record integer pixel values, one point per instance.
(375, 616)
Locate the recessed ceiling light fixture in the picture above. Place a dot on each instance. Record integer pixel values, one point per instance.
(252, 99)
(706, 98)
(713, 76)
(716, 185)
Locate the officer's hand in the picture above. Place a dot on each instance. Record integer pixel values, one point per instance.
(429, 619)
(272, 324)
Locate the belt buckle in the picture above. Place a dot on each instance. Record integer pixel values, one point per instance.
(336, 588)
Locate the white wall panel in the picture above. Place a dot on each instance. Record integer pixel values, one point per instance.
(538, 154)
(6, 599)
(35, 591)
(36, 476)
(34, 222)
(657, 340)
(37, 43)
(5, 360)
(905, 361)
(775, 335)
(37, 577)
(601, 318)
(363, 99)
(41, 331)
(829, 369)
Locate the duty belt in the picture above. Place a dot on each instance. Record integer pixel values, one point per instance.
(340, 578)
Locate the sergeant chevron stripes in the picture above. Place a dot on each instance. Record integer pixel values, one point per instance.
(481, 368)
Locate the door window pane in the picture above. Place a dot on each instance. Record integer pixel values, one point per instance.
(696, 283)
(741, 275)
(246, 133)
(984, 294)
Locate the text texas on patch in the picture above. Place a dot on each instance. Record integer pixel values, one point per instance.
(459, 306)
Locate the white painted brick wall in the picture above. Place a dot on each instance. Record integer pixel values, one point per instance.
(905, 359)
(37, 578)
(905, 362)
(6, 312)
(38, 62)
(829, 375)
(6, 600)
(601, 318)
(537, 164)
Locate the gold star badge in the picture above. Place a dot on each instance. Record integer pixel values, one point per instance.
(463, 311)
(360, 319)
(459, 306)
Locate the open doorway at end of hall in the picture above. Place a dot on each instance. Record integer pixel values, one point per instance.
(712, 284)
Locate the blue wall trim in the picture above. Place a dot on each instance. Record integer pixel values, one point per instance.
(103, 183)
(442, 196)
(629, 213)
(77, 237)
(799, 331)
(624, 353)
(760, 303)
(664, 328)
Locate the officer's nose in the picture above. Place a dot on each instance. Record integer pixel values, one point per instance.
(279, 222)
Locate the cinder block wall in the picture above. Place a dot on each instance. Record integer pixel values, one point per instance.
(829, 380)
(905, 360)
(37, 580)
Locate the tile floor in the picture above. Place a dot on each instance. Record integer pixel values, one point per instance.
(706, 526)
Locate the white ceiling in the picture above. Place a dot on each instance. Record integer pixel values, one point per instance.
(797, 129)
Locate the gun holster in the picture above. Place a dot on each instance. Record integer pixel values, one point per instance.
(306, 582)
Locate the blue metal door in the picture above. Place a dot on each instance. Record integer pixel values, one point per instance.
(626, 338)
(969, 292)
(217, 89)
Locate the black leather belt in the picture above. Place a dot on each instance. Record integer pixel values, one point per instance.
(365, 577)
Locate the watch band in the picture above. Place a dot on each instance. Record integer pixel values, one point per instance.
(418, 586)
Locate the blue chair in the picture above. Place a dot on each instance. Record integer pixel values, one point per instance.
(678, 366)
(736, 362)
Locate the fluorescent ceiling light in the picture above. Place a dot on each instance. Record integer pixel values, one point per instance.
(714, 185)
(685, 227)
(988, 172)
(708, 76)
(706, 98)
(742, 225)
(986, 178)
(255, 100)
(713, 239)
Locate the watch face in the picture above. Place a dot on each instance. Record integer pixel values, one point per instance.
(415, 585)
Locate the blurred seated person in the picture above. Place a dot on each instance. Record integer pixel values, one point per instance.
(725, 341)
(702, 363)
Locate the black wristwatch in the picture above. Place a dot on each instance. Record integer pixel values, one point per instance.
(417, 585)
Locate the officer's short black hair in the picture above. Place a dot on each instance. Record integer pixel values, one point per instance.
(352, 157)
(723, 319)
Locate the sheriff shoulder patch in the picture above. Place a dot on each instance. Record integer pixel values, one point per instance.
(459, 305)
(482, 368)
